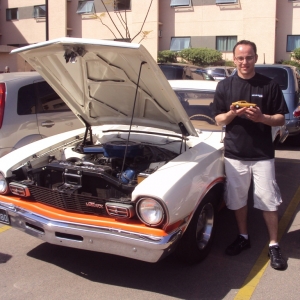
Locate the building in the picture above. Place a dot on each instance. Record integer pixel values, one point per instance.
(274, 25)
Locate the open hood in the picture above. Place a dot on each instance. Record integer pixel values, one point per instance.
(98, 80)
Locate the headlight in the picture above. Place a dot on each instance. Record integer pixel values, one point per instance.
(3, 185)
(150, 211)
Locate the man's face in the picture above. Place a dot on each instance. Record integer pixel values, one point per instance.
(245, 59)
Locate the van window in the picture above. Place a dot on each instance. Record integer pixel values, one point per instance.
(278, 74)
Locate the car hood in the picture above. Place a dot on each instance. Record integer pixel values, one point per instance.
(98, 80)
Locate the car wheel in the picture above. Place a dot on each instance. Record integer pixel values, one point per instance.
(196, 242)
(237, 106)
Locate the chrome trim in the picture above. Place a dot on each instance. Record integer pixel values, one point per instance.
(15, 187)
(115, 241)
(120, 210)
(293, 126)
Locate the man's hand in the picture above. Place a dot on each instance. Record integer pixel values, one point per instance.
(254, 114)
(237, 111)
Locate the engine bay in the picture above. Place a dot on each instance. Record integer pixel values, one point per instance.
(86, 176)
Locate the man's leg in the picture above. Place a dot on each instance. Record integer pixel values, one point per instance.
(242, 242)
(271, 219)
(241, 219)
(236, 196)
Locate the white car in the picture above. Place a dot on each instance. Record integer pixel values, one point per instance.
(141, 180)
(30, 110)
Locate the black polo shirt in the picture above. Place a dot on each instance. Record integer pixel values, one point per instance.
(245, 139)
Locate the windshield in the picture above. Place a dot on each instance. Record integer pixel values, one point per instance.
(198, 105)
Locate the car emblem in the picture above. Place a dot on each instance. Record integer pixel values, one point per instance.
(93, 204)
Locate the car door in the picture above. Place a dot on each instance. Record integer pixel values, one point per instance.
(53, 115)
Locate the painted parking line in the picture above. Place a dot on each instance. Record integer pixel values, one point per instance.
(262, 262)
(4, 228)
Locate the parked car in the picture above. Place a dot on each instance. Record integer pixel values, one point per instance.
(286, 77)
(140, 181)
(175, 71)
(30, 110)
(220, 73)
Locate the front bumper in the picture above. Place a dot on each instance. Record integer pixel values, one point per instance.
(134, 245)
(293, 126)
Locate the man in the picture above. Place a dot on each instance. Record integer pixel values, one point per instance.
(249, 151)
(6, 69)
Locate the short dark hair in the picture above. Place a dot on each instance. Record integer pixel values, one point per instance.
(245, 42)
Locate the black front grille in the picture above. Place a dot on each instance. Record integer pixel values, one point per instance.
(70, 202)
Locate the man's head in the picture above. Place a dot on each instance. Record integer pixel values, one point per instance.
(245, 57)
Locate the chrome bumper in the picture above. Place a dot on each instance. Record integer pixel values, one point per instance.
(143, 247)
(293, 126)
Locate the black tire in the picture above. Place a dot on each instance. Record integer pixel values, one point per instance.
(237, 106)
(197, 240)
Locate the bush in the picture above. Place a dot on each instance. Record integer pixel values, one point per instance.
(197, 56)
(229, 63)
(167, 56)
(296, 54)
(201, 56)
(291, 63)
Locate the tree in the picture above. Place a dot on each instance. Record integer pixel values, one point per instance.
(122, 19)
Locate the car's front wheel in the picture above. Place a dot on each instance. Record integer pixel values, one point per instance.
(196, 242)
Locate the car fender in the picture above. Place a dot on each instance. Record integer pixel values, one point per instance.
(22, 155)
(190, 176)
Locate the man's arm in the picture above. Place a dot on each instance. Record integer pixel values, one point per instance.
(256, 115)
(226, 118)
(253, 114)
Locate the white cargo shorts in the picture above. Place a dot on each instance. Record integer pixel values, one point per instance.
(266, 193)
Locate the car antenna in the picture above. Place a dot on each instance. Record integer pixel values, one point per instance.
(133, 108)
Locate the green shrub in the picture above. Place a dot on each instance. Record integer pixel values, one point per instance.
(166, 56)
(291, 63)
(229, 63)
(201, 56)
(296, 54)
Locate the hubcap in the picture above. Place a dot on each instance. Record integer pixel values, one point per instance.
(205, 225)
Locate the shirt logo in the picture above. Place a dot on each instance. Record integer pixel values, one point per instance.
(257, 95)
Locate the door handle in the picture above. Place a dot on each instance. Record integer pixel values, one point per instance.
(48, 124)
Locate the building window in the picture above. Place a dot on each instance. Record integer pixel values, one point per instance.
(180, 43)
(12, 14)
(39, 11)
(226, 1)
(122, 4)
(226, 43)
(85, 7)
(175, 3)
(293, 42)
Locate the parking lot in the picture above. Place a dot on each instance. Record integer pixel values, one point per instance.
(32, 269)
